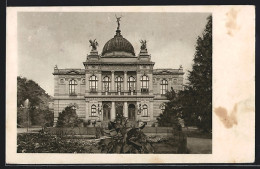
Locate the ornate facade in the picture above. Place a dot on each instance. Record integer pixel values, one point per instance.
(115, 81)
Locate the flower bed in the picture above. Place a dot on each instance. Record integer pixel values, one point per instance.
(45, 143)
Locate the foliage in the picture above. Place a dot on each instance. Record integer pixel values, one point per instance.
(200, 83)
(125, 139)
(69, 118)
(169, 118)
(46, 143)
(28, 89)
(194, 103)
(39, 112)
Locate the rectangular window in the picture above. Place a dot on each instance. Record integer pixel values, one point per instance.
(93, 110)
(145, 111)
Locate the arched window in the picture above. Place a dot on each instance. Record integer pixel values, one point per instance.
(106, 83)
(144, 84)
(72, 87)
(145, 110)
(119, 83)
(131, 83)
(93, 83)
(93, 110)
(164, 86)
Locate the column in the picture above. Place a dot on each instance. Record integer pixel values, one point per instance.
(150, 111)
(138, 83)
(87, 110)
(125, 109)
(112, 81)
(125, 81)
(87, 82)
(150, 84)
(99, 89)
(113, 111)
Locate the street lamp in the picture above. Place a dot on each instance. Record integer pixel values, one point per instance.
(99, 109)
(140, 109)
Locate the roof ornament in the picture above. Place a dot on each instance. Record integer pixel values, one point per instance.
(143, 44)
(93, 44)
(118, 22)
(55, 67)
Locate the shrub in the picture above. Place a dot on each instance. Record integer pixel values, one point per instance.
(124, 139)
(68, 118)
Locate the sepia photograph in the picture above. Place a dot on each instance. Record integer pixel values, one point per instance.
(139, 85)
(114, 83)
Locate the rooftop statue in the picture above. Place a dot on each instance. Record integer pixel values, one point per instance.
(93, 44)
(118, 22)
(143, 44)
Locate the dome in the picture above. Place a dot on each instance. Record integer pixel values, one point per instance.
(118, 47)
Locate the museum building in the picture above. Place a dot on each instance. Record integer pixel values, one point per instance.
(116, 81)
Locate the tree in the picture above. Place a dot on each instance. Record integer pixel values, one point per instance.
(169, 118)
(68, 118)
(194, 103)
(39, 102)
(198, 92)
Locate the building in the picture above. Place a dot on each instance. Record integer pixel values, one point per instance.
(115, 81)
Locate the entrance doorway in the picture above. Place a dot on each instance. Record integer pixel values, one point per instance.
(119, 108)
(106, 113)
(131, 112)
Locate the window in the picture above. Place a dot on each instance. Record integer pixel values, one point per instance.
(131, 83)
(93, 83)
(144, 84)
(106, 83)
(145, 110)
(119, 83)
(72, 87)
(164, 86)
(93, 110)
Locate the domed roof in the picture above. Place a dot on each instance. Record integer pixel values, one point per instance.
(118, 47)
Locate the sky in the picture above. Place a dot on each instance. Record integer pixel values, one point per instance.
(49, 38)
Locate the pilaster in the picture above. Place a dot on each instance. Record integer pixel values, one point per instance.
(125, 109)
(113, 111)
(112, 81)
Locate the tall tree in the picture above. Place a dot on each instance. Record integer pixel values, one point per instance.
(200, 81)
(194, 103)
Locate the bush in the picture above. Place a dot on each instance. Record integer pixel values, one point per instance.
(69, 118)
(45, 143)
(86, 123)
(124, 139)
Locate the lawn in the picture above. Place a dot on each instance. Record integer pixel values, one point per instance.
(199, 145)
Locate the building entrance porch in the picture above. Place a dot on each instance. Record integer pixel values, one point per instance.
(111, 109)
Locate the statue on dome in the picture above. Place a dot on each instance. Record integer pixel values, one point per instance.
(143, 44)
(118, 22)
(93, 44)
